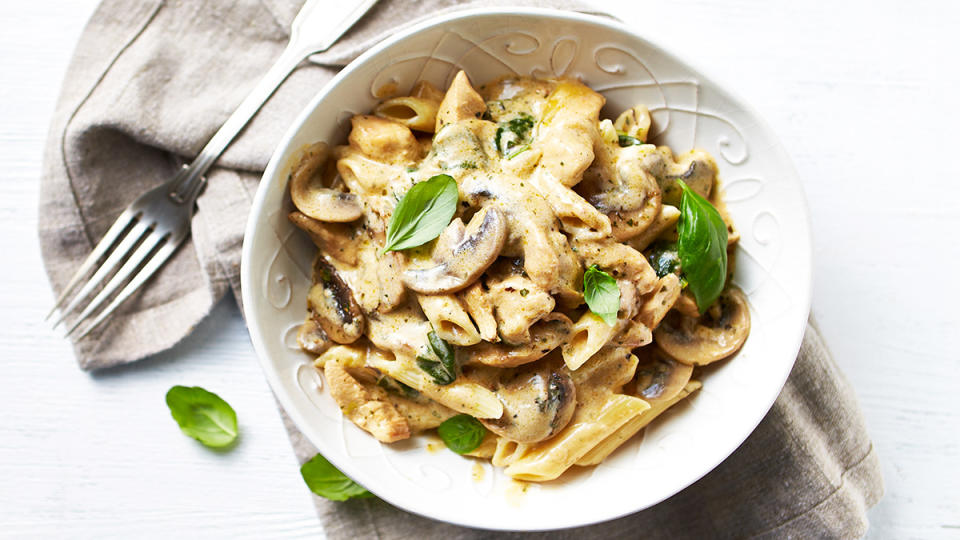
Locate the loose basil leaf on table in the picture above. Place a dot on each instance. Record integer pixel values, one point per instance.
(702, 247)
(444, 370)
(203, 415)
(327, 481)
(602, 294)
(462, 433)
(423, 213)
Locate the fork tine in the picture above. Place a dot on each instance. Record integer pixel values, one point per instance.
(142, 253)
(118, 227)
(116, 257)
(148, 270)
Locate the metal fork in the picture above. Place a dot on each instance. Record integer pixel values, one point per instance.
(148, 231)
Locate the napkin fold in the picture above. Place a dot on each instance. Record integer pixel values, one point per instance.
(149, 84)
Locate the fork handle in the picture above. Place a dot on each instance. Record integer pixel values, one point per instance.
(192, 176)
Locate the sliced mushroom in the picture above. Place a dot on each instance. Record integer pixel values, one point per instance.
(696, 168)
(332, 306)
(686, 305)
(313, 199)
(334, 239)
(538, 401)
(659, 377)
(546, 335)
(461, 254)
(710, 337)
(312, 338)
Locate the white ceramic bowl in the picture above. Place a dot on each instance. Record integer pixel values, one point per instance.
(773, 267)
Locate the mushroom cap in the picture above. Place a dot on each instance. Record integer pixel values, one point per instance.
(335, 239)
(312, 338)
(312, 198)
(547, 334)
(538, 401)
(332, 306)
(659, 377)
(461, 254)
(701, 341)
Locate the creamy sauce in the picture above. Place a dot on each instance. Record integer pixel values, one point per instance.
(569, 193)
(477, 472)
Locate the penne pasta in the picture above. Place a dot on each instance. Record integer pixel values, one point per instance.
(461, 396)
(480, 308)
(589, 334)
(416, 113)
(613, 441)
(550, 459)
(449, 318)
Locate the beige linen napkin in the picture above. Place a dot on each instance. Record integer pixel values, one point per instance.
(149, 84)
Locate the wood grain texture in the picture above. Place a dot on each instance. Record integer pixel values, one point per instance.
(862, 95)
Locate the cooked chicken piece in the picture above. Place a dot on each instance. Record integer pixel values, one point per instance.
(364, 408)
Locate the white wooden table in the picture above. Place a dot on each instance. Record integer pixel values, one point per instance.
(862, 93)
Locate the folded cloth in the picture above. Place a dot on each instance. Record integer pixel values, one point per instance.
(151, 81)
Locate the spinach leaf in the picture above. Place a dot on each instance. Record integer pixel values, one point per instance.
(664, 259)
(327, 481)
(602, 294)
(513, 133)
(702, 247)
(423, 213)
(443, 371)
(627, 140)
(397, 387)
(203, 415)
(462, 433)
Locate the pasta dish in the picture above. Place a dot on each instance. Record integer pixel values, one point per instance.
(501, 265)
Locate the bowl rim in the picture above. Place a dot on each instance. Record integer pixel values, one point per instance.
(276, 163)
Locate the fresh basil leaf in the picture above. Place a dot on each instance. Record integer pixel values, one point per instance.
(602, 294)
(702, 247)
(462, 433)
(627, 140)
(443, 371)
(203, 415)
(423, 213)
(327, 481)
